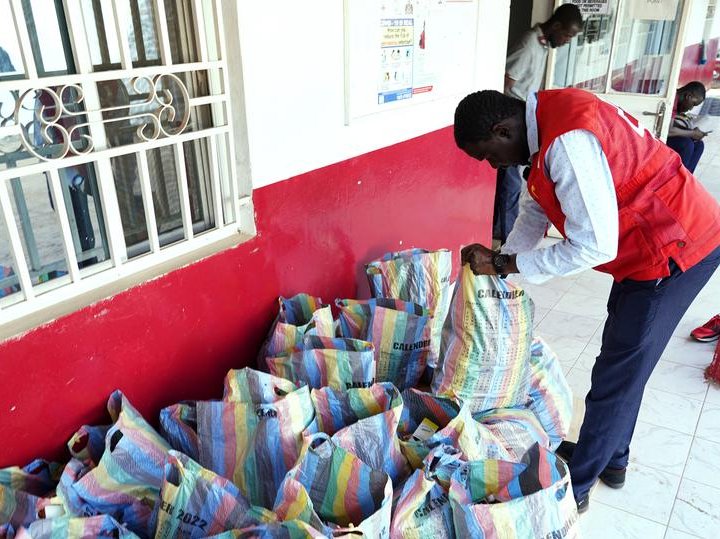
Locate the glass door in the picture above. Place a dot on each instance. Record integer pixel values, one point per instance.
(629, 55)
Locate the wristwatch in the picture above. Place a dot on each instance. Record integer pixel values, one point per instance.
(499, 262)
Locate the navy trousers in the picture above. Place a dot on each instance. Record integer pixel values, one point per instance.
(688, 149)
(507, 201)
(642, 316)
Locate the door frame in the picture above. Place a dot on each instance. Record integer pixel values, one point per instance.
(663, 117)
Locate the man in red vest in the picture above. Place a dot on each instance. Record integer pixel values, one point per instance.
(625, 206)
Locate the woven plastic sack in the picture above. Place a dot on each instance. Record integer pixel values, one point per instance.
(298, 316)
(550, 395)
(517, 429)
(195, 502)
(88, 443)
(331, 485)
(533, 498)
(178, 425)
(126, 482)
(76, 528)
(253, 444)
(486, 345)
(323, 361)
(364, 422)
(453, 425)
(422, 507)
(76, 506)
(399, 330)
(291, 529)
(419, 276)
(38, 478)
(249, 385)
(17, 509)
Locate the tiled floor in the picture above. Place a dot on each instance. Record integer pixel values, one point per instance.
(673, 483)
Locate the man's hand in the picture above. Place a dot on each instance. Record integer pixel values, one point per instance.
(480, 259)
(697, 134)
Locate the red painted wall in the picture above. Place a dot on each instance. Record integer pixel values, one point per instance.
(175, 337)
(691, 69)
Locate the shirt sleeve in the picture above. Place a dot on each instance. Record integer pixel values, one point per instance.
(518, 62)
(577, 165)
(529, 228)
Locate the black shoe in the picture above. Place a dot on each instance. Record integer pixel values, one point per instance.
(584, 504)
(612, 477)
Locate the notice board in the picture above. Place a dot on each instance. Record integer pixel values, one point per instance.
(406, 52)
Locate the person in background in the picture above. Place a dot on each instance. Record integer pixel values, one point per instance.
(626, 206)
(684, 137)
(524, 72)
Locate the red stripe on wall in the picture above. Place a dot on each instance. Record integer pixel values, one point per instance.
(175, 337)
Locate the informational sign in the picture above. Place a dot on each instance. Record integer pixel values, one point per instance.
(407, 51)
(655, 10)
(591, 7)
(396, 60)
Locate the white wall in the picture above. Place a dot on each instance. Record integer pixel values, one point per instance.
(293, 71)
(542, 10)
(696, 22)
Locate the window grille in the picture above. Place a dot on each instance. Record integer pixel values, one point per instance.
(116, 143)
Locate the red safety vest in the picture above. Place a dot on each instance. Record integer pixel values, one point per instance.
(664, 212)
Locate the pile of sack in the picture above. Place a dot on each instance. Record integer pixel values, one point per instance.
(339, 435)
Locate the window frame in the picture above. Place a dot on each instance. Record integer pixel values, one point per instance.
(82, 286)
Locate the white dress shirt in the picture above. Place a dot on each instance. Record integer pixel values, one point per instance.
(577, 165)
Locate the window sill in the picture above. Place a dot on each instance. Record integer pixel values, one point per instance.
(58, 303)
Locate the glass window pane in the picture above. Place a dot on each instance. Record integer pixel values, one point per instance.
(181, 31)
(83, 206)
(197, 168)
(644, 53)
(223, 145)
(11, 64)
(132, 213)
(142, 35)
(101, 34)
(166, 194)
(9, 282)
(37, 221)
(48, 34)
(584, 62)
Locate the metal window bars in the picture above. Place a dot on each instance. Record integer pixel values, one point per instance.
(163, 110)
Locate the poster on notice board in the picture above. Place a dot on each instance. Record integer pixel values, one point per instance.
(402, 52)
(591, 7)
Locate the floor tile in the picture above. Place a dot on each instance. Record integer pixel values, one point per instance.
(709, 424)
(686, 351)
(543, 297)
(703, 463)
(586, 360)
(697, 510)
(539, 314)
(605, 522)
(713, 393)
(568, 325)
(648, 493)
(660, 448)
(679, 379)
(582, 304)
(677, 534)
(566, 349)
(665, 409)
(579, 382)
